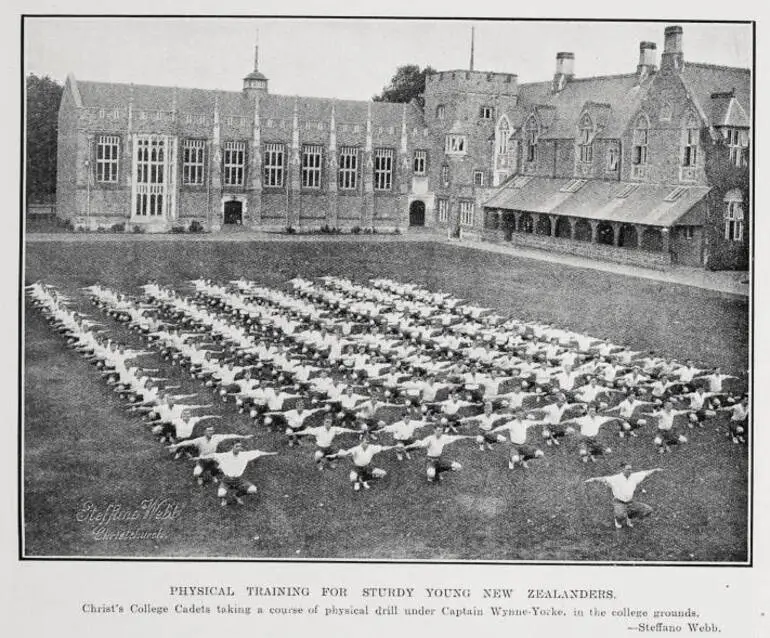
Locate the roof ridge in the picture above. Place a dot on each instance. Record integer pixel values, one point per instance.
(721, 67)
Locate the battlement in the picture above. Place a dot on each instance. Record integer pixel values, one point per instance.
(475, 81)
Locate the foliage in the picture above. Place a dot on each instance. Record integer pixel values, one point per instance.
(290, 230)
(177, 229)
(118, 228)
(42, 110)
(406, 85)
(138, 230)
(196, 227)
(355, 230)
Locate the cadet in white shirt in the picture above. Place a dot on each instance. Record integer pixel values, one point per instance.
(362, 455)
(434, 446)
(521, 452)
(590, 425)
(627, 414)
(324, 438)
(232, 465)
(623, 486)
(739, 419)
(206, 445)
(667, 435)
(403, 433)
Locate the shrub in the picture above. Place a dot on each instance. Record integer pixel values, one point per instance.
(177, 229)
(196, 227)
(290, 230)
(396, 231)
(138, 230)
(118, 228)
(355, 230)
(325, 230)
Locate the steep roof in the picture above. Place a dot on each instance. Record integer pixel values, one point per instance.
(704, 80)
(108, 95)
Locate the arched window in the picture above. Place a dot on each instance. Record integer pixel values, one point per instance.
(531, 132)
(690, 142)
(502, 134)
(585, 139)
(733, 216)
(641, 137)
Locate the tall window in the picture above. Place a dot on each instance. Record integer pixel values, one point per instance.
(530, 137)
(478, 178)
(466, 213)
(690, 150)
(738, 143)
(440, 112)
(420, 162)
(234, 163)
(275, 160)
(383, 169)
(311, 166)
(348, 168)
(585, 140)
(641, 135)
(443, 210)
(734, 215)
(445, 175)
(150, 176)
(107, 154)
(455, 144)
(503, 133)
(193, 153)
(613, 158)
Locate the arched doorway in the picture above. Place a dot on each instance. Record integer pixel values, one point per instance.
(628, 237)
(605, 234)
(509, 225)
(563, 228)
(233, 212)
(543, 226)
(582, 230)
(417, 213)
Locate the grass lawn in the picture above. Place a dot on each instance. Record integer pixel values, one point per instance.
(81, 446)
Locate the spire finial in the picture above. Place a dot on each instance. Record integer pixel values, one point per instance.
(473, 32)
(256, 51)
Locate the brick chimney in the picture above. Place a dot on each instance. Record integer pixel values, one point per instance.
(673, 57)
(565, 70)
(648, 59)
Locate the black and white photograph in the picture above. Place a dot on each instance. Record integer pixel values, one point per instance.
(387, 290)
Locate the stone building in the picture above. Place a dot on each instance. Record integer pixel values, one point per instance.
(649, 167)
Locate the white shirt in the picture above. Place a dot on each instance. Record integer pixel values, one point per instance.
(207, 446)
(553, 412)
(403, 430)
(517, 431)
(324, 437)
(233, 465)
(435, 445)
(362, 457)
(623, 488)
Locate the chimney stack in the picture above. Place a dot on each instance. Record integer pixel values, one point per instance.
(565, 70)
(673, 57)
(648, 59)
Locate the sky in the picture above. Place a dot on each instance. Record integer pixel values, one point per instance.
(346, 59)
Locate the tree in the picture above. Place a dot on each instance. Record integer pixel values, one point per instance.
(43, 98)
(407, 84)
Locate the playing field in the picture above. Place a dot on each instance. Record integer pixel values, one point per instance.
(81, 446)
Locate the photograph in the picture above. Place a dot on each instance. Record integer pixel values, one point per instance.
(386, 290)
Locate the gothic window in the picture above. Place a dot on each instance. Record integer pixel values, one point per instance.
(311, 165)
(348, 168)
(193, 153)
(585, 140)
(420, 162)
(234, 163)
(531, 133)
(383, 169)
